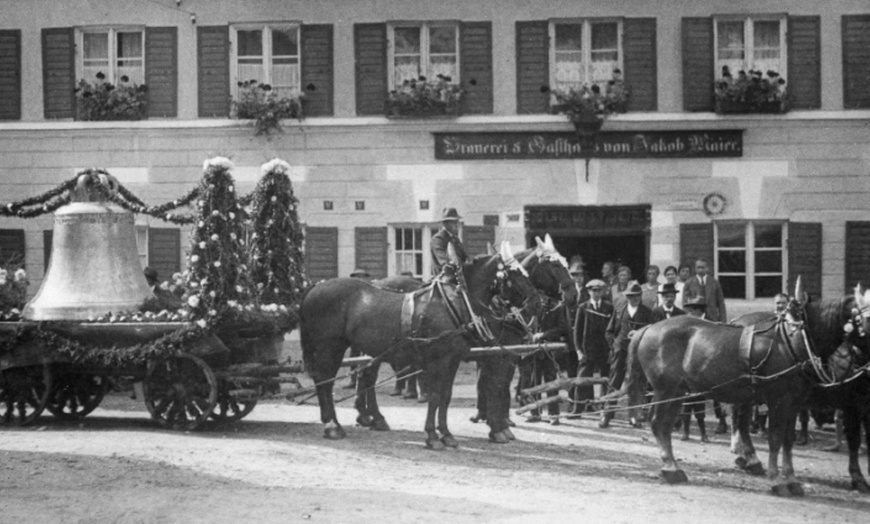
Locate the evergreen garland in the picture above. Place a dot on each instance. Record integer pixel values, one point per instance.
(48, 202)
(276, 254)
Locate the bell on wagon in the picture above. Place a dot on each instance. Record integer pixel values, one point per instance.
(94, 267)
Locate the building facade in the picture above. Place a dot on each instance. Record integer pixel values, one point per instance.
(764, 197)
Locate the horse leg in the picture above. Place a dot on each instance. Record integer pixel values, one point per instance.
(363, 403)
(432, 400)
(852, 419)
(497, 391)
(379, 423)
(794, 487)
(742, 440)
(504, 396)
(325, 368)
(779, 437)
(446, 395)
(484, 367)
(662, 422)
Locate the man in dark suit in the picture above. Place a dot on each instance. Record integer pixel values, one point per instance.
(625, 321)
(667, 309)
(590, 326)
(704, 285)
(447, 235)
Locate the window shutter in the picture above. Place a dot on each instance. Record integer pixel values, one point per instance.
(475, 239)
(857, 255)
(213, 67)
(371, 250)
(639, 61)
(321, 253)
(533, 66)
(475, 50)
(10, 74)
(58, 72)
(317, 69)
(161, 70)
(164, 251)
(696, 241)
(856, 61)
(370, 53)
(12, 246)
(47, 240)
(804, 62)
(698, 64)
(805, 257)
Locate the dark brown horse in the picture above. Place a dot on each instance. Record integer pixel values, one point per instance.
(732, 364)
(430, 329)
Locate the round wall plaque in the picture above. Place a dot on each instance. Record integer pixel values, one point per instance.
(714, 204)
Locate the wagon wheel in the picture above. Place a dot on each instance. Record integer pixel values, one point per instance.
(230, 408)
(74, 395)
(180, 391)
(23, 394)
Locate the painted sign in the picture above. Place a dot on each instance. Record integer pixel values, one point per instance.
(567, 145)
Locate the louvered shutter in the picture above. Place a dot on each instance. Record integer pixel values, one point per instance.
(164, 251)
(213, 67)
(161, 70)
(321, 253)
(696, 241)
(698, 64)
(370, 54)
(12, 247)
(639, 61)
(475, 239)
(533, 66)
(856, 61)
(58, 72)
(317, 69)
(805, 257)
(371, 250)
(475, 58)
(10, 74)
(857, 255)
(804, 62)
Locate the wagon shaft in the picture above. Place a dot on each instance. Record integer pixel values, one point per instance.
(519, 349)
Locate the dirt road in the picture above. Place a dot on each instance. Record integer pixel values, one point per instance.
(118, 466)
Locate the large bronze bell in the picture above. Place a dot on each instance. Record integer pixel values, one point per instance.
(94, 266)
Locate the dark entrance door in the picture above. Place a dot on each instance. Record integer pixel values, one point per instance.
(597, 233)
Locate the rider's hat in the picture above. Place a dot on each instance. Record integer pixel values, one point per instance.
(698, 302)
(450, 213)
(596, 284)
(634, 289)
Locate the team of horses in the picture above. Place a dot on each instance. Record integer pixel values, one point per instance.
(814, 352)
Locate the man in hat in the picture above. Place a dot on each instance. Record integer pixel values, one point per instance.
(696, 307)
(667, 309)
(447, 235)
(578, 274)
(361, 274)
(704, 285)
(625, 321)
(590, 327)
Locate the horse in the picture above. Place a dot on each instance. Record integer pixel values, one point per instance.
(732, 364)
(433, 328)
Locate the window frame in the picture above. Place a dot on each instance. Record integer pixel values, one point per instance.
(749, 40)
(112, 76)
(750, 249)
(267, 28)
(142, 232)
(586, 46)
(424, 48)
(428, 230)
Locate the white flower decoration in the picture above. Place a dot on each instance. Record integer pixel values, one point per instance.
(201, 323)
(217, 263)
(194, 258)
(276, 165)
(212, 294)
(202, 244)
(193, 301)
(215, 237)
(217, 162)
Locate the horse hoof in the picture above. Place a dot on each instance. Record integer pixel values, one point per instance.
(365, 421)
(795, 489)
(434, 444)
(675, 477)
(741, 462)
(449, 441)
(336, 433)
(756, 469)
(477, 418)
(510, 423)
(498, 438)
(801, 440)
(380, 425)
(780, 490)
(508, 433)
(861, 486)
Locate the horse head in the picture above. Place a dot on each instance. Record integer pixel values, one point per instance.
(548, 271)
(509, 281)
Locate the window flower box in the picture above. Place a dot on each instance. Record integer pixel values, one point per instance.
(260, 103)
(750, 93)
(423, 99)
(102, 101)
(587, 107)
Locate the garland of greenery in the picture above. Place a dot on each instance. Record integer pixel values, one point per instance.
(127, 200)
(217, 275)
(276, 255)
(49, 201)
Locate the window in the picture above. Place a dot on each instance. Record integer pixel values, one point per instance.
(584, 52)
(269, 54)
(142, 244)
(426, 49)
(410, 249)
(114, 52)
(750, 259)
(745, 43)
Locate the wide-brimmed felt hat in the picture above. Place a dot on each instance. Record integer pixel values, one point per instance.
(450, 213)
(667, 288)
(359, 272)
(695, 302)
(596, 283)
(633, 289)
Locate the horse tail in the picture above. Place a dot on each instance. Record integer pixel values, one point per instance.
(304, 340)
(635, 380)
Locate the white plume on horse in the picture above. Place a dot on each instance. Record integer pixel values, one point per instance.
(546, 249)
(862, 300)
(507, 256)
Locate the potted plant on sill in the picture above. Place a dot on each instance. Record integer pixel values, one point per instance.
(588, 106)
(421, 98)
(750, 93)
(260, 103)
(101, 101)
